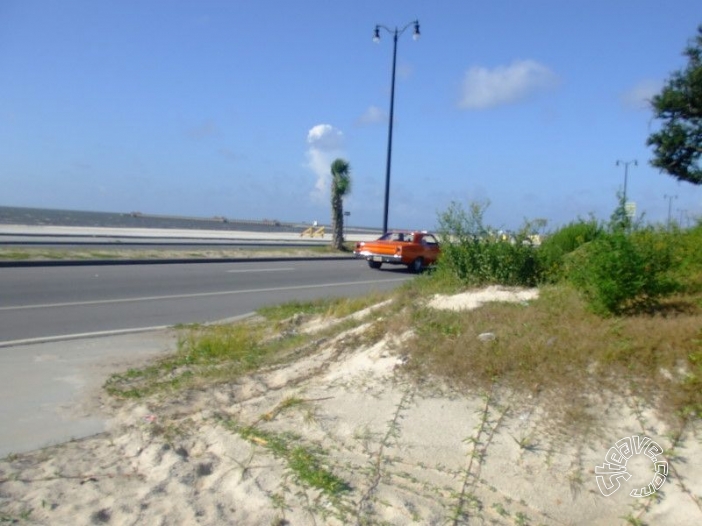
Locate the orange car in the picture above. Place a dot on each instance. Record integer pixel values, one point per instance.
(414, 249)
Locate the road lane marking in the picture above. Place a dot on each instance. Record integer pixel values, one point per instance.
(197, 295)
(81, 335)
(239, 271)
(113, 332)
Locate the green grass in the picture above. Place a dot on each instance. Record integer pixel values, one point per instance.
(117, 253)
(30, 254)
(207, 355)
(284, 311)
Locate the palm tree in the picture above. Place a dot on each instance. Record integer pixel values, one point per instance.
(340, 186)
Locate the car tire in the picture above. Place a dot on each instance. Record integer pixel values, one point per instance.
(417, 265)
(375, 265)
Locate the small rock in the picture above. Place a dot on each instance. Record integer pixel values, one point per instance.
(204, 469)
(665, 373)
(487, 337)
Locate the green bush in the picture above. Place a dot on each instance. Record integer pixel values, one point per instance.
(620, 266)
(688, 258)
(622, 271)
(473, 253)
(557, 245)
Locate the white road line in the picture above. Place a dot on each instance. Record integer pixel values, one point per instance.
(195, 295)
(115, 332)
(260, 270)
(97, 334)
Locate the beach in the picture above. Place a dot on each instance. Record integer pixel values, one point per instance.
(377, 447)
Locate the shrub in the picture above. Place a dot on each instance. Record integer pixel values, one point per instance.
(557, 245)
(688, 258)
(473, 253)
(622, 272)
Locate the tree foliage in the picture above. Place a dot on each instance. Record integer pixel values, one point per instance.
(678, 145)
(340, 186)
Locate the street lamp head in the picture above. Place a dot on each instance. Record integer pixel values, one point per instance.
(376, 35)
(416, 33)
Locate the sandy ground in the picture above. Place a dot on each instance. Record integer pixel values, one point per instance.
(406, 454)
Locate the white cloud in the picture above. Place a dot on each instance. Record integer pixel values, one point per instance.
(484, 88)
(325, 137)
(325, 144)
(639, 96)
(319, 162)
(373, 115)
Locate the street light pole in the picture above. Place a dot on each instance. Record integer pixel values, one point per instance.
(376, 38)
(670, 205)
(626, 172)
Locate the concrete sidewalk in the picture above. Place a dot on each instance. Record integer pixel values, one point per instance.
(52, 392)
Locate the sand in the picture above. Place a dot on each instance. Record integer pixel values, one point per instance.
(403, 453)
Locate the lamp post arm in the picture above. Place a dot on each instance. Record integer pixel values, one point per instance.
(397, 32)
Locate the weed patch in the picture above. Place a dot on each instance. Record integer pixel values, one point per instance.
(557, 349)
(208, 355)
(336, 308)
(212, 354)
(303, 460)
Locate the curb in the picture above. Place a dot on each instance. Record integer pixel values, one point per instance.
(106, 262)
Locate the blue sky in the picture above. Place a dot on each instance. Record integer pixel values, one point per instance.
(237, 108)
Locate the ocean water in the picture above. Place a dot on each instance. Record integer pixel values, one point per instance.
(42, 216)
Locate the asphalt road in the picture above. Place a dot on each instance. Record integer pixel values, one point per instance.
(47, 303)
